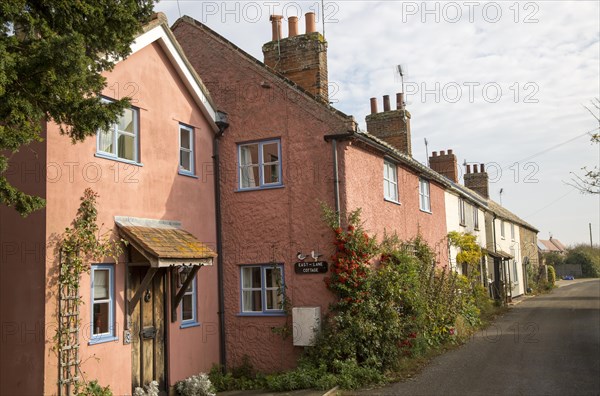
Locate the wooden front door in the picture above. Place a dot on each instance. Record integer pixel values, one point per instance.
(148, 329)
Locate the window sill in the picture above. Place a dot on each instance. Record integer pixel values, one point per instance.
(425, 211)
(188, 174)
(260, 188)
(108, 157)
(102, 339)
(187, 325)
(266, 314)
(391, 201)
(462, 225)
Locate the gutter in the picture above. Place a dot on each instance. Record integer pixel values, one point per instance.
(223, 123)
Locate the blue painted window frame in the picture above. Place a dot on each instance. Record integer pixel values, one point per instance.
(263, 290)
(111, 334)
(261, 165)
(424, 195)
(390, 182)
(191, 150)
(115, 129)
(193, 321)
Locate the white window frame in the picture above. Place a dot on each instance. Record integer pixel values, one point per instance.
(424, 195)
(462, 218)
(502, 231)
(512, 232)
(191, 150)
(475, 217)
(193, 321)
(116, 132)
(263, 289)
(111, 334)
(261, 165)
(390, 181)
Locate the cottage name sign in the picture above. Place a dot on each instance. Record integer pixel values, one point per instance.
(311, 267)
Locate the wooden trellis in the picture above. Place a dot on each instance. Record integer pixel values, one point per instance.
(68, 335)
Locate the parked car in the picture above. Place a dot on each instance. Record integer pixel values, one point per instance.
(568, 277)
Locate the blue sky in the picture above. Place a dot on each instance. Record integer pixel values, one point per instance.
(499, 82)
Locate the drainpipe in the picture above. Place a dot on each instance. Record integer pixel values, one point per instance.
(223, 123)
(336, 180)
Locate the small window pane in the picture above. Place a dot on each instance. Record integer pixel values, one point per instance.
(101, 286)
(249, 176)
(101, 318)
(126, 121)
(185, 138)
(272, 276)
(252, 302)
(249, 154)
(187, 307)
(126, 146)
(270, 152)
(185, 160)
(274, 299)
(251, 277)
(271, 173)
(106, 141)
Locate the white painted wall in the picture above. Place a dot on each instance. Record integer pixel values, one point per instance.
(512, 246)
(453, 224)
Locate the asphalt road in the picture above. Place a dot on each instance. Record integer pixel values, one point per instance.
(546, 345)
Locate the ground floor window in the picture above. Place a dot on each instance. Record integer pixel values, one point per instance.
(189, 312)
(262, 288)
(103, 303)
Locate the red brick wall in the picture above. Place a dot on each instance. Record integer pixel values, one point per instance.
(393, 127)
(302, 59)
(363, 183)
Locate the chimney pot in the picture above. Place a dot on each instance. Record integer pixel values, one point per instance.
(442, 152)
(434, 153)
(292, 26)
(311, 26)
(373, 105)
(450, 152)
(475, 168)
(400, 101)
(482, 168)
(386, 103)
(468, 169)
(276, 26)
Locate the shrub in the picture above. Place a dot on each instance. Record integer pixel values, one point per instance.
(586, 256)
(92, 388)
(240, 378)
(196, 385)
(551, 276)
(148, 390)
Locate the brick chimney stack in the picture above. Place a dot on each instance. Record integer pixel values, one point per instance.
(392, 126)
(477, 180)
(300, 57)
(445, 164)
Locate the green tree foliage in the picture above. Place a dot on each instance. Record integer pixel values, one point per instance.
(551, 276)
(553, 259)
(52, 54)
(586, 256)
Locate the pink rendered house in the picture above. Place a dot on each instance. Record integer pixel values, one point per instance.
(153, 314)
(286, 152)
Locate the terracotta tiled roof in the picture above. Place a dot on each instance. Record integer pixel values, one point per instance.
(552, 245)
(164, 241)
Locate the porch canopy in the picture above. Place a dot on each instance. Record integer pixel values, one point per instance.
(498, 254)
(164, 243)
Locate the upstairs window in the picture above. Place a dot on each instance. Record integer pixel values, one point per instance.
(425, 200)
(390, 181)
(502, 232)
(186, 150)
(461, 212)
(475, 218)
(512, 231)
(259, 164)
(120, 140)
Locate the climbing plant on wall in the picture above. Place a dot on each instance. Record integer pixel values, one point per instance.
(80, 244)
